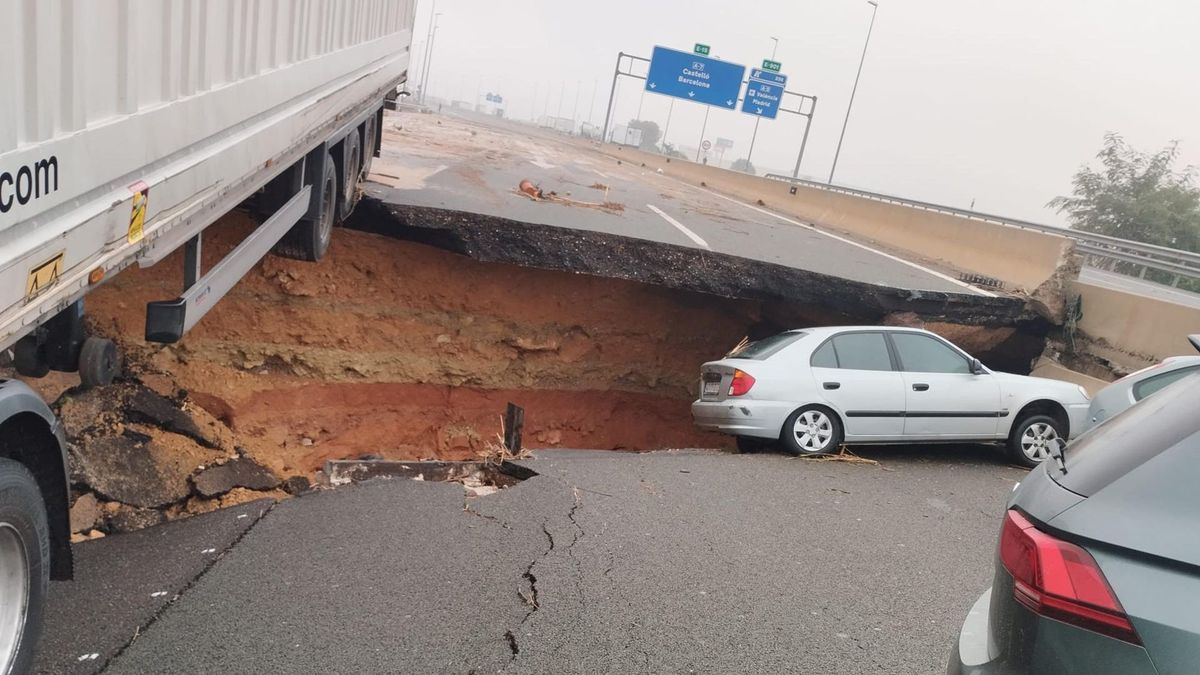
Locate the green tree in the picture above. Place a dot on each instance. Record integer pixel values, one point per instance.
(744, 166)
(650, 133)
(1136, 195)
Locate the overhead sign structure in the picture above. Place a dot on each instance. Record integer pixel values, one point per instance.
(764, 93)
(694, 78)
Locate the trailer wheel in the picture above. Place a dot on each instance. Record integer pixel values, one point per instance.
(309, 239)
(24, 566)
(351, 173)
(99, 362)
(29, 359)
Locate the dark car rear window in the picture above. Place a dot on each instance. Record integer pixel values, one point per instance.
(763, 349)
(1132, 438)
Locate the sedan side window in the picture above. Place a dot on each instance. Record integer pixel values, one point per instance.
(1155, 384)
(923, 354)
(824, 357)
(862, 351)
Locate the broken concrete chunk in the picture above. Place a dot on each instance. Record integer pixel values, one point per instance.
(85, 512)
(140, 466)
(296, 485)
(150, 407)
(242, 472)
(125, 518)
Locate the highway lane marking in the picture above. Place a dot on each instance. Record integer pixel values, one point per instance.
(600, 173)
(541, 163)
(889, 256)
(680, 226)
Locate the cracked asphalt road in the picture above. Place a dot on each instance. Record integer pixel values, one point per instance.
(671, 562)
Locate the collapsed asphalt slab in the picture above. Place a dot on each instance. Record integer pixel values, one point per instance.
(494, 239)
(605, 562)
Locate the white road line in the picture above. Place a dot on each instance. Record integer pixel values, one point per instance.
(678, 225)
(889, 256)
(600, 173)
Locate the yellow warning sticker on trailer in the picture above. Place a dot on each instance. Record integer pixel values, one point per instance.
(137, 218)
(43, 276)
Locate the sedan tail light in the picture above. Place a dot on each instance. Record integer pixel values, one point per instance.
(741, 383)
(1060, 580)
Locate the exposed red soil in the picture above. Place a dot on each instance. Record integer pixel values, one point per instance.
(406, 351)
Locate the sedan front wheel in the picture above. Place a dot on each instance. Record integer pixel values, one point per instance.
(1033, 439)
(812, 430)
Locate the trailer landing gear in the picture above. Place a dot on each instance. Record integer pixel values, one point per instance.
(63, 344)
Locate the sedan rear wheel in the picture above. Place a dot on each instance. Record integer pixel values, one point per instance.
(812, 431)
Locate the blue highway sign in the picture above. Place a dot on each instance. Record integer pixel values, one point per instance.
(694, 78)
(763, 93)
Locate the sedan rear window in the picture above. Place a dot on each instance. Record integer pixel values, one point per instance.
(1157, 383)
(1131, 439)
(763, 349)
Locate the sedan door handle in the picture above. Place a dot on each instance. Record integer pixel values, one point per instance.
(920, 387)
(832, 385)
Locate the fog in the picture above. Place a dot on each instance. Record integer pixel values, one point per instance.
(960, 101)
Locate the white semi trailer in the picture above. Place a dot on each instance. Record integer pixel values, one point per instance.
(126, 128)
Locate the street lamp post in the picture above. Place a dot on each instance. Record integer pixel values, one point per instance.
(875, 8)
(429, 55)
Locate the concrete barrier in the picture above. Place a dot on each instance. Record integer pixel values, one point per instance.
(1022, 259)
(1138, 325)
(1056, 371)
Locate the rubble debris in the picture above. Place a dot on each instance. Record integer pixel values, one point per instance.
(124, 518)
(842, 455)
(85, 512)
(242, 472)
(476, 477)
(139, 458)
(296, 485)
(527, 189)
(135, 467)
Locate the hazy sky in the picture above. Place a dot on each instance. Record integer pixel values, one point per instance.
(999, 102)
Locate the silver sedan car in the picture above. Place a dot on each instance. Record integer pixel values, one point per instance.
(1130, 389)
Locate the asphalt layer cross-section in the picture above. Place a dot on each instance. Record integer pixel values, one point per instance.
(473, 164)
(670, 562)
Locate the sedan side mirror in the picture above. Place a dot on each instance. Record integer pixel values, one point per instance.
(977, 367)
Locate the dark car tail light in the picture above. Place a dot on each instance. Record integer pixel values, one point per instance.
(1060, 580)
(741, 384)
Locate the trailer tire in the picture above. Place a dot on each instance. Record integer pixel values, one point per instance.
(29, 359)
(309, 239)
(99, 362)
(351, 174)
(25, 558)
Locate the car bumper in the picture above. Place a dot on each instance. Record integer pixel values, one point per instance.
(759, 419)
(973, 652)
(1077, 413)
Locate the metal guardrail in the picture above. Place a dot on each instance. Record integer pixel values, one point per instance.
(1183, 264)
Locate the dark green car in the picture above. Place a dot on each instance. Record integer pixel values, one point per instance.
(1098, 564)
